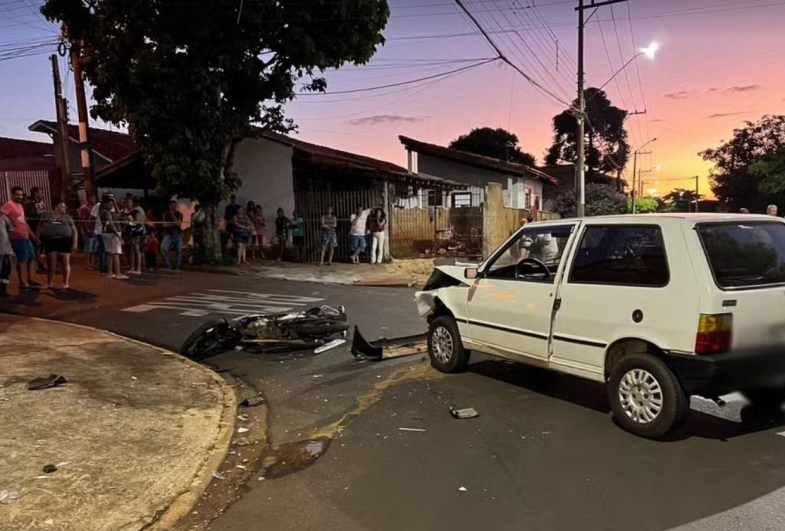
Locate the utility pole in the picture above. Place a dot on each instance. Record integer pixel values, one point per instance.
(580, 173)
(697, 200)
(84, 131)
(61, 111)
(636, 184)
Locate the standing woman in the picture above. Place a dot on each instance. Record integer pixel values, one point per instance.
(242, 234)
(378, 223)
(59, 237)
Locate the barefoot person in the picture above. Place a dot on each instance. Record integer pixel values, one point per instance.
(329, 235)
(59, 236)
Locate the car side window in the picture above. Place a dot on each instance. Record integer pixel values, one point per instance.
(534, 255)
(621, 255)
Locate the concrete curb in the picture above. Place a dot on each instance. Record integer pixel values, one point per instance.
(171, 511)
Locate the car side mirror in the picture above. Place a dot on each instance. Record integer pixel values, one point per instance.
(470, 273)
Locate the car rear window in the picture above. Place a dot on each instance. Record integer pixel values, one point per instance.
(745, 255)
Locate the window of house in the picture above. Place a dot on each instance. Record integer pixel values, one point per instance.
(621, 255)
(435, 198)
(461, 199)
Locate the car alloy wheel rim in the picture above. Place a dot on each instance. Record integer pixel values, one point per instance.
(442, 344)
(640, 395)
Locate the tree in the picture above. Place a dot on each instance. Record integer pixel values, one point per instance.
(192, 79)
(495, 143)
(681, 200)
(607, 150)
(601, 200)
(771, 170)
(644, 205)
(732, 180)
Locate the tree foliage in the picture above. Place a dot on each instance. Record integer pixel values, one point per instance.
(600, 199)
(607, 150)
(681, 200)
(496, 143)
(733, 179)
(192, 79)
(771, 170)
(644, 205)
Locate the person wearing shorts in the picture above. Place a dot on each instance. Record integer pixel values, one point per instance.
(298, 236)
(111, 236)
(358, 222)
(20, 236)
(281, 231)
(86, 225)
(329, 235)
(6, 255)
(59, 238)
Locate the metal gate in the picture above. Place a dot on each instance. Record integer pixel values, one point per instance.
(27, 180)
(312, 205)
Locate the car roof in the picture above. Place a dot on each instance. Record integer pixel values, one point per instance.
(671, 217)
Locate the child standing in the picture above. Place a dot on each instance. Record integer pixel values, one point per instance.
(151, 249)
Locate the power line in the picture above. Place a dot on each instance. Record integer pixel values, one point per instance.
(408, 82)
(503, 58)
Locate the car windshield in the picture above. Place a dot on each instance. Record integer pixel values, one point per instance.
(745, 254)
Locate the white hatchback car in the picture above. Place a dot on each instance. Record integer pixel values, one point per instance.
(657, 307)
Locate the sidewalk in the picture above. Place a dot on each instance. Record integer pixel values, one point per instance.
(400, 273)
(135, 433)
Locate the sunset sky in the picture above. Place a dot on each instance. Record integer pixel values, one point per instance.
(720, 62)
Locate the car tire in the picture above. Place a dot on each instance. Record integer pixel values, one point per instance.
(766, 398)
(646, 397)
(445, 347)
(210, 339)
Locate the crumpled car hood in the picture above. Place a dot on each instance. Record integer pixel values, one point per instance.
(443, 278)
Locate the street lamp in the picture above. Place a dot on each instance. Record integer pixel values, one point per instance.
(580, 188)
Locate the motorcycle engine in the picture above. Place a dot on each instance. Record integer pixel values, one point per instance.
(263, 328)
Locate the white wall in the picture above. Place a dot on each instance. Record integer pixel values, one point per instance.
(265, 168)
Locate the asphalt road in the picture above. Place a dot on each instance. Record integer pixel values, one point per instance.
(544, 453)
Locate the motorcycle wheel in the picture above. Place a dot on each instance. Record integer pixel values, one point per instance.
(210, 339)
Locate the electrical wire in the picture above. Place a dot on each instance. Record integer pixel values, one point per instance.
(400, 83)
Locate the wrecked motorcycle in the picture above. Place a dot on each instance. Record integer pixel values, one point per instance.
(267, 332)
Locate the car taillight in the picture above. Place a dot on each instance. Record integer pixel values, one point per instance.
(714, 333)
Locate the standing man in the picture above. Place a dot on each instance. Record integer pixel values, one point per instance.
(6, 255)
(282, 224)
(173, 235)
(20, 236)
(329, 236)
(100, 247)
(34, 210)
(771, 210)
(357, 228)
(231, 209)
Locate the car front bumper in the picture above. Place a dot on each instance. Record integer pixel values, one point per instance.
(713, 375)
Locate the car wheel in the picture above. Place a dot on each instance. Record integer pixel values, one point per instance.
(766, 398)
(445, 347)
(646, 397)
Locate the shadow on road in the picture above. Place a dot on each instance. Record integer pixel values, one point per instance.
(591, 395)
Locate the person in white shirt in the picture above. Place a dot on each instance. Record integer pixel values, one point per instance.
(357, 231)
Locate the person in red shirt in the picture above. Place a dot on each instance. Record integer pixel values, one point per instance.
(20, 236)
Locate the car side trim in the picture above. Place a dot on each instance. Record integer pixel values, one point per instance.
(584, 342)
(526, 333)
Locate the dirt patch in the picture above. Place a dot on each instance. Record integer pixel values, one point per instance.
(414, 267)
(129, 432)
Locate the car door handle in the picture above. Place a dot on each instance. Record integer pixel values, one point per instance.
(557, 304)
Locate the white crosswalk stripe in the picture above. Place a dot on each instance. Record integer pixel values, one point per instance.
(225, 302)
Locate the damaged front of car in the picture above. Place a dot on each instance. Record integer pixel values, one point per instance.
(447, 287)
